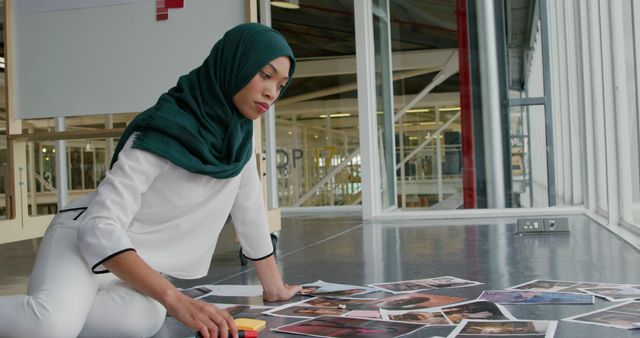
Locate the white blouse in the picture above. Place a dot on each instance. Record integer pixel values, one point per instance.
(171, 217)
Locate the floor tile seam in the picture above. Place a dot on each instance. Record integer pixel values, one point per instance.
(294, 251)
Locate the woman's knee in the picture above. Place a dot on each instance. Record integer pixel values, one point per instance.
(134, 315)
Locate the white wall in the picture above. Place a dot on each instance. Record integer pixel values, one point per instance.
(110, 59)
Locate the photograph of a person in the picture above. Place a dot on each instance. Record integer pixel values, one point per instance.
(347, 303)
(558, 286)
(343, 327)
(423, 284)
(615, 293)
(535, 297)
(622, 316)
(196, 291)
(243, 311)
(414, 301)
(321, 288)
(476, 310)
(507, 328)
(544, 285)
(422, 317)
(180, 169)
(301, 311)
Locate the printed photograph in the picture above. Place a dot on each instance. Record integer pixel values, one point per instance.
(324, 289)
(559, 286)
(508, 328)
(544, 285)
(422, 317)
(343, 327)
(196, 291)
(414, 301)
(345, 303)
(616, 293)
(535, 297)
(622, 316)
(300, 311)
(241, 310)
(476, 310)
(424, 284)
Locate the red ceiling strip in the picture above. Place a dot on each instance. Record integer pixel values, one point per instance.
(162, 8)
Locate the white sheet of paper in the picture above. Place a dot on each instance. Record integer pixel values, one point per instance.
(236, 290)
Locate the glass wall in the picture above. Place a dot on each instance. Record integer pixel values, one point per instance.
(318, 159)
(418, 100)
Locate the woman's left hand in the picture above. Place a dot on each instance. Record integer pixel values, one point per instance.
(282, 293)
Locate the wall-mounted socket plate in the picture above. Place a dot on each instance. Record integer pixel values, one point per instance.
(543, 225)
(530, 225)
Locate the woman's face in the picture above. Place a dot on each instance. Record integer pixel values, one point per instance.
(262, 91)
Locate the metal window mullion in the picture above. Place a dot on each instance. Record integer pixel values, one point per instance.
(597, 105)
(635, 7)
(365, 52)
(554, 120)
(563, 116)
(548, 105)
(622, 117)
(573, 127)
(608, 104)
(585, 94)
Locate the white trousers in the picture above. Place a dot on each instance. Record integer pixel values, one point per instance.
(65, 299)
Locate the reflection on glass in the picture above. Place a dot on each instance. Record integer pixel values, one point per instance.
(317, 145)
(427, 105)
(86, 167)
(384, 93)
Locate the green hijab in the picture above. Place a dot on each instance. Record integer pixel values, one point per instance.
(195, 125)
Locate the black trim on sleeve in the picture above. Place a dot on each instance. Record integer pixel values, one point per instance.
(79, 214)
(261, 258)
(73, 209)
(93, 268)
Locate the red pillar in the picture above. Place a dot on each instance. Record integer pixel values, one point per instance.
(466, 117)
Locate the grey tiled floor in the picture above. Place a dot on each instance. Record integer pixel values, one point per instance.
(343, 249)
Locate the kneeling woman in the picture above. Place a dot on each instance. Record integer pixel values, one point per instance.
(180, 169)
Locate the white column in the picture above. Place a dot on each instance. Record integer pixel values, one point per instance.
(62, 191)
(367, 108)
(491, 121)
(621, 115)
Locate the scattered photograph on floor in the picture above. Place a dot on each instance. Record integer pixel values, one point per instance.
(616, 293)
(504, 328)
(197, 292)
(342, 327)
(242, 310)
(301, 311)
(559, 286)
(622, 316)
(341, 303)
(414, 301)
(475, 310)
(535, 297)
(426, 317)
(424, 284)
(320, 288)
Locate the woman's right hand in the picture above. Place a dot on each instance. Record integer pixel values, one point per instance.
(206, 318)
